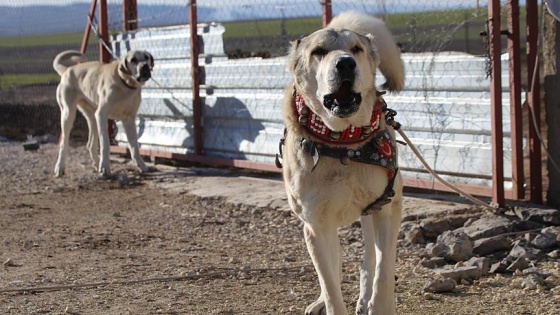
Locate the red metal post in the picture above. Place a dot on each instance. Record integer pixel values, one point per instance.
(195, 76)
(130, 15)
(533, 98)
(496, 103)
(514, 52)
(104, 54)
(87, 30)
(327, 12)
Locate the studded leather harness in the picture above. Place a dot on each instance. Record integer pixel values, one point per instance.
(377, 147)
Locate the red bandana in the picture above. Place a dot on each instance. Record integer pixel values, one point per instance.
(352, 134)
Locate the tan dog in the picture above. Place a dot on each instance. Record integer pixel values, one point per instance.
(339, 155)
(101, 92)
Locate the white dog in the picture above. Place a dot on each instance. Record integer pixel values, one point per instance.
(101, 92)
(339, 155)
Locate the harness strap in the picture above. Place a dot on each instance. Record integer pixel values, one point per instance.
(379, 150)
(384, 199)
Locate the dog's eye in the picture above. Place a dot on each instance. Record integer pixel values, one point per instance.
(134, 60)
(319, 52)
(356, 49)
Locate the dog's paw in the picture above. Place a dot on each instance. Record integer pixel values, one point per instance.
(104, 172)
(58, 171)
(316, 308)
(58, 174)
(361, 308)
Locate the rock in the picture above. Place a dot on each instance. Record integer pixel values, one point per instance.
(440, 285)
(458, 245)
(482, 263)
(433, 262)
(532, 282)
(472, 273)
(547, 216)
(499, 267)
(9, 263)
(433, 227)
(520, 263)
(544, 241)
(457, 221)
(435, 250)
(529, 237)
(412, 233)
(555, 254)
(553, 231)
(489, 245)
(528, 225)
(428, 296)
(487, 226)
(536, 271)
(519, 250)
(31, 145)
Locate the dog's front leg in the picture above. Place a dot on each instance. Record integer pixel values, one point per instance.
(102, 127)
(325, 251)
(386, 224)
(132, 137)
(367, 269)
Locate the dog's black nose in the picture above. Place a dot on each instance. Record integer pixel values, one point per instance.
(145, 72)
(346, 67)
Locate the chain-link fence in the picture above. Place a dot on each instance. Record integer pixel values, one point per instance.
(242, 66)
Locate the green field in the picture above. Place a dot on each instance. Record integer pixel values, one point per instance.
(11, 80)
(43, 40)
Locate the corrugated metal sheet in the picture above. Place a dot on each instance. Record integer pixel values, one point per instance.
(445, 109)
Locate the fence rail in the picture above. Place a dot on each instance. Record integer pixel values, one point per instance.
(230, 112)
(445, 108)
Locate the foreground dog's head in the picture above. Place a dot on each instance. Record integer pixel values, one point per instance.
(334, 70)
(138, 65)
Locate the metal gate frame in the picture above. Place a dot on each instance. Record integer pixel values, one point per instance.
(494, 33)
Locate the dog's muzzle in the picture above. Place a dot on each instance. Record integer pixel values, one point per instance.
(344, 102)
(145, 73)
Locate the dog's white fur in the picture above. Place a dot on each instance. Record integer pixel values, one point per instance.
(334, 194)
(101, 92)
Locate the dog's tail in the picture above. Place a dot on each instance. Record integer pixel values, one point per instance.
(58, 63)
(391, 64)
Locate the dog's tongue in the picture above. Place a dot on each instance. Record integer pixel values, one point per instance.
(344, 93)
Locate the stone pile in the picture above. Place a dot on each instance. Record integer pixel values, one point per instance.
(465, 246)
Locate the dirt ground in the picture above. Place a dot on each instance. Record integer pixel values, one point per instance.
(169, 243)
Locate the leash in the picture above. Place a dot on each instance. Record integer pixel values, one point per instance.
(462, 193)
(385, 198)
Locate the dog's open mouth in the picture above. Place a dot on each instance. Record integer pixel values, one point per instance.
(145, 74)
(344, 102)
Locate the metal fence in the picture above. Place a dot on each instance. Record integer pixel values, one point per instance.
(445, 108)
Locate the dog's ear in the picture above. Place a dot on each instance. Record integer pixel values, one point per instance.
(388, 60)
(372, 49)
(123, 66)
(150, 59)
(293, 61)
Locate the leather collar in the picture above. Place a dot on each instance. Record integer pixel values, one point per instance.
(351, 135)
(127, 85)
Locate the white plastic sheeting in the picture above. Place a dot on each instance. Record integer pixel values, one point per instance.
(445, 109)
